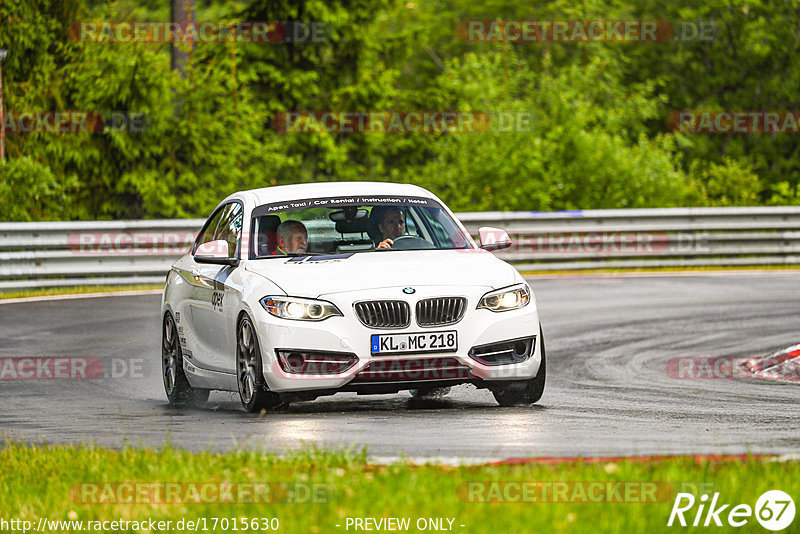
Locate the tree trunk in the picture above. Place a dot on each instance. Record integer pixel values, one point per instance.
(182, 13)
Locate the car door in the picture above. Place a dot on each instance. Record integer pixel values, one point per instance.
(213, 297)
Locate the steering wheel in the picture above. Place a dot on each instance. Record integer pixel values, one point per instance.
(410, 242)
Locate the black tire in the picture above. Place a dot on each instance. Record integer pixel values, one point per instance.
(176, 385)
(532, 389)
(429, 393)
(253, 390)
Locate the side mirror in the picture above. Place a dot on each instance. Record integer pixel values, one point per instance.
(494, 238)
(216, 252)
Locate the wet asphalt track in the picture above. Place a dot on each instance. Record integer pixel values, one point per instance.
(608, 392)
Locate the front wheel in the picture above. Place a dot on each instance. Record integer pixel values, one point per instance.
(176, 385)
(253, 390)
(524, 392)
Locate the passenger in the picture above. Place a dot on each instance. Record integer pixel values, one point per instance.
(392, 224)
(292, 238)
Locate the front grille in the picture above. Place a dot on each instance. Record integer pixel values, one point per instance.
(441, 311)
(383, 313)
(413, 370)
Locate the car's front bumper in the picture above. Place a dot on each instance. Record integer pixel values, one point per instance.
(348, 335)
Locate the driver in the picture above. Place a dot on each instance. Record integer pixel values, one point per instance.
(292, 237)
(392, 225)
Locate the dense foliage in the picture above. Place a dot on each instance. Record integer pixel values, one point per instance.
(597, 137)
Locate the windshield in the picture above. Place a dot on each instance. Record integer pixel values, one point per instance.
(335, 225)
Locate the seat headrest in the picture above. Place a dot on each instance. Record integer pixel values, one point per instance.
(267, 239)
(269, 223)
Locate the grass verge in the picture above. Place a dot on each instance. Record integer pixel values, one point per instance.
(313, 491)
(78, 290)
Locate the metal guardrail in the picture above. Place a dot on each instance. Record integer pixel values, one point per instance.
(140, 252)
(55, 254)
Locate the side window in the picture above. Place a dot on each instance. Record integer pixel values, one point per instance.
(445, 231)
(411, 225)
(226, 224)
(210, 229)
(230, 227)
(436, 226)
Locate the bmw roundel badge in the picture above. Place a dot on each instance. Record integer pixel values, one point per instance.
(409, 290)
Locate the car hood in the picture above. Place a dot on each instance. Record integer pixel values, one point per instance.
(312, 276)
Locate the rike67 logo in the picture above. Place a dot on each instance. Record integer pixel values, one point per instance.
(774, 510)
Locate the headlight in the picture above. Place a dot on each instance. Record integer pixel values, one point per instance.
(506, 299)
(299, 309)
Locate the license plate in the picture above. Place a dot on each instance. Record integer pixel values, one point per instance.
(416, 342)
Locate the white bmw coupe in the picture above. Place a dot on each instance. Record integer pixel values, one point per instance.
(294, 292)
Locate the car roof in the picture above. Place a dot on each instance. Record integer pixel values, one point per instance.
(282, 193)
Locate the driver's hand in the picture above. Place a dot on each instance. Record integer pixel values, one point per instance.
(386, 243)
